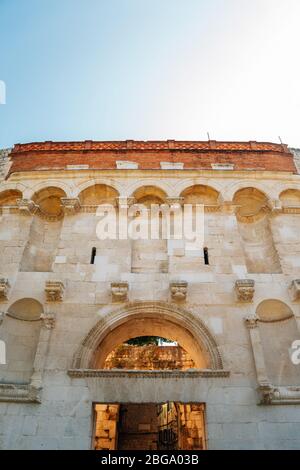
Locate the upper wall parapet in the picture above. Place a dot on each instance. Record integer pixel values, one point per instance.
(152, 155)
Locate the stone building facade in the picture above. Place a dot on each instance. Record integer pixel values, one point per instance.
(69, 298)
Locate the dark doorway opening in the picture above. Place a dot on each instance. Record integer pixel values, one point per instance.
(150, 426)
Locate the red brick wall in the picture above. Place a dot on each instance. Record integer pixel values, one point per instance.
(194, 155)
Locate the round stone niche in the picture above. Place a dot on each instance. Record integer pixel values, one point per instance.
(26, 309)
(273, 310)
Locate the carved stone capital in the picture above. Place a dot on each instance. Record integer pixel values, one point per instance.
(48, 320)
(275, 205)
(252, 321)
(228, 207)
(294, 290)
(244, 289)
(172, 201)
(54, 291)
(26, 206)
(179, 290)
(70, 205)
(4, 289)
(119, 291)
(125, 201)
(266, 393)
(34, 393)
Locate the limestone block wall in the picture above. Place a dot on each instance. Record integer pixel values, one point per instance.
(4, 162)
(64, 418)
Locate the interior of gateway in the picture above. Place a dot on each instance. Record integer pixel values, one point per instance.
(149, 426)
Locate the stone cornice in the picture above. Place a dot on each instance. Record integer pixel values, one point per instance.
(272, 395)
(19, 393)
(148, 374)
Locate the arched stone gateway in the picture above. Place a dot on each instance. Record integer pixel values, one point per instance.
(149, 318)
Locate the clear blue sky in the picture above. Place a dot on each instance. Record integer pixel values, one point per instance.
(150, 69)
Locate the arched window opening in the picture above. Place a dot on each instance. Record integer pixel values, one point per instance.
(206, 258)
(149, 353)
(93, 255)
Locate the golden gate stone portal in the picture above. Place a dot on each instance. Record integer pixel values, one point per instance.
(149, 343)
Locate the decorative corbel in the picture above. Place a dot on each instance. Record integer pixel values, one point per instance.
(54, 291)
(244, 289)
(119, 291)
(179, 290)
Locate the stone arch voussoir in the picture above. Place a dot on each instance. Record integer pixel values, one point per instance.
(84, 356)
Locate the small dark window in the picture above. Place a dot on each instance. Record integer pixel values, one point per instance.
(94, 251)
(205, 253)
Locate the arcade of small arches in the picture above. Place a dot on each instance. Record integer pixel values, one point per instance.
(249, 200)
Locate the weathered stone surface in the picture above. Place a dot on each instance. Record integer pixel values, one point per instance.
(251, 231)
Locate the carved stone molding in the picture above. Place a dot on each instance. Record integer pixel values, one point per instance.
(54, 291)
(273, 395)
(70, 205)
(4, 289)
(294, 290)
(179, 290)
(19, 393)
(48, 320)
(148, 374)
(27, 207)
(244, 289)
(252, 321)
(119, 291)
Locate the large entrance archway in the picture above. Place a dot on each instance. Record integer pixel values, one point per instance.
(149, 318)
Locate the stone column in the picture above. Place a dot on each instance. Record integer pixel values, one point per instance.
(260, 366)
(48, 323)
(297, 318)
